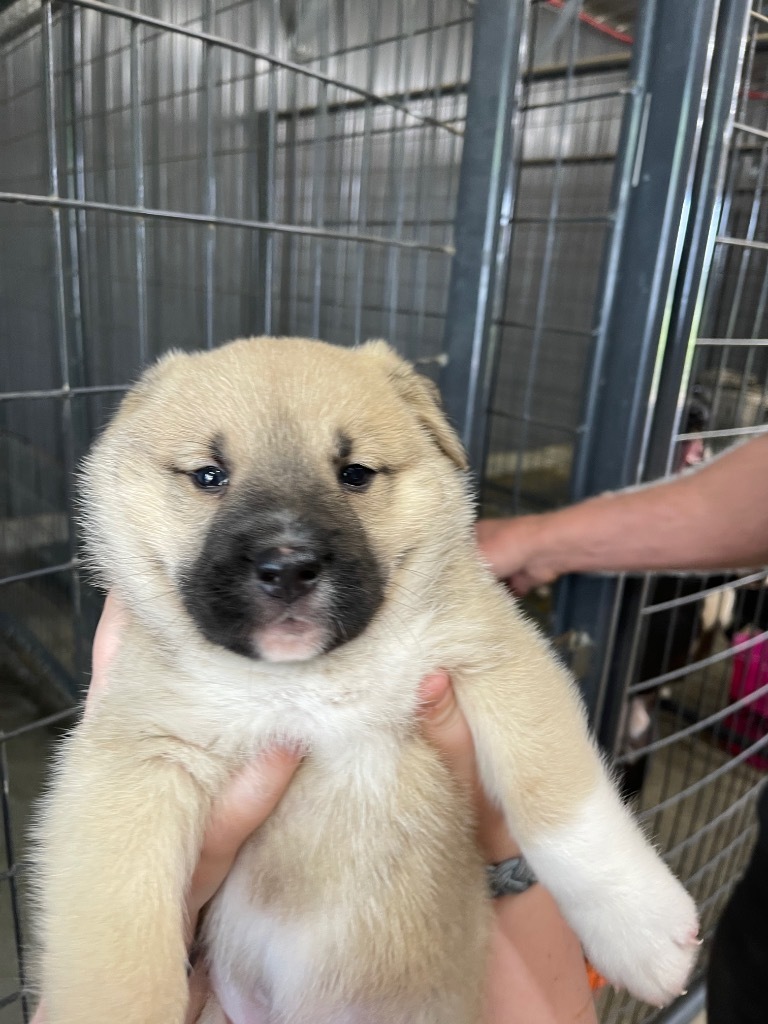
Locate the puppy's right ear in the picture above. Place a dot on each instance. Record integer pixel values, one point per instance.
(146, 383)
(423, 397)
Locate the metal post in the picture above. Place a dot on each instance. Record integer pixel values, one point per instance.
(707, 204)
(652, 192)
(484, 182)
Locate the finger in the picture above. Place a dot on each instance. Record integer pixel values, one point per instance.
(105, 643)
(199, 990)
(245, 804)
(444, 725)
(520, 584)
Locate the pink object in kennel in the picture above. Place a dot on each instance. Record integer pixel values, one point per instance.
(750, 723)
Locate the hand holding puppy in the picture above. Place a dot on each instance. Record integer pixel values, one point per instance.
(527, 940)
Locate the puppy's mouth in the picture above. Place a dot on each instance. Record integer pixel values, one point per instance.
(290, 638)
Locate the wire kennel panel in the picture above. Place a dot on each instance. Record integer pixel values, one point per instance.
(575, 90)
(692, 743)
(583, 356)
(174, 174)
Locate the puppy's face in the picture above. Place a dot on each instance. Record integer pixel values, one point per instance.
(270, 491)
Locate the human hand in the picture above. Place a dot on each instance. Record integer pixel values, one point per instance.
(537, 973)
(515, 551)
(446, 728)
(246, 802)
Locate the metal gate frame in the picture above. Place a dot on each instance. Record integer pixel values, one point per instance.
(622, 457)
(668, 195)
(666, 200)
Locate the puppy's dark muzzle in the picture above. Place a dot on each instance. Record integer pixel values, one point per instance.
(271, 559)
(287, 574)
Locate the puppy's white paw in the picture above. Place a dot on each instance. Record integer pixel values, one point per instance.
(636, 922)
(644, 938)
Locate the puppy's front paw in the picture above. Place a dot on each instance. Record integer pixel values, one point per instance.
(645, 939)
(636, 922)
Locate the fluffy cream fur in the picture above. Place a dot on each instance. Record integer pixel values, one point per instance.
(362, 897)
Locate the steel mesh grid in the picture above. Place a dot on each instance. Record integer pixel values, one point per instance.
(574, 92)
(698, 639)
(213, 172)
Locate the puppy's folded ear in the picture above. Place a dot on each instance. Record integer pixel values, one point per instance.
(422, 396)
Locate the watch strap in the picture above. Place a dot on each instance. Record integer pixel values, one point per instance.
(512, 875)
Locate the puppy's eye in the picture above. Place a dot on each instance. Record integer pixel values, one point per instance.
(357, 476)
(208, 478)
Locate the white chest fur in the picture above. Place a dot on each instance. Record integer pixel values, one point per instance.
(335, 705)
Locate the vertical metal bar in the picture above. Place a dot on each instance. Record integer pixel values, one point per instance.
(49, 102)
(647, 249)
(269, 190)
(345, 175)
(319, 176)
(720, 258)
(660, 140)
(345, 122)
(140, 226)
(707, 204)
(546, 269)
(60, 312)
(76, 418)
(290, 243)
(18, 934)
(397, 159)
(427, 157)
(209, 185)
(365, 170)
(77, 234)
(491, 100)
(604, 616)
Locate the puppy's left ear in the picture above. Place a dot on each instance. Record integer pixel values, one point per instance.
(423, 397)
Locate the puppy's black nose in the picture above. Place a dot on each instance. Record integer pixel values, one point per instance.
(288, 573)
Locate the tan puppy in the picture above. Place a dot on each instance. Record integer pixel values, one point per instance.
(291, 529)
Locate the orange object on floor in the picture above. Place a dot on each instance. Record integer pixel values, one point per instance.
(596, 980)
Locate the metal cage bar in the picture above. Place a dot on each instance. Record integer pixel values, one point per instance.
(485, 191)
(672, 60)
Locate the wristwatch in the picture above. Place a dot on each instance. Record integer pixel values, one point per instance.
(512, 875)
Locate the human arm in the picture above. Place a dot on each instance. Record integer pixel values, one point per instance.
(715, 517)
(537, 973)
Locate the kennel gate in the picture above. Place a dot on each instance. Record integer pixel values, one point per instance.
(181, 173)
(675, 359)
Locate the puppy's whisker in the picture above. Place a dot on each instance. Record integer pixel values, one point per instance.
(404, 626)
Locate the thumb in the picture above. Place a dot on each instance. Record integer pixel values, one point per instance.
(246, 803)
(445, 727)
